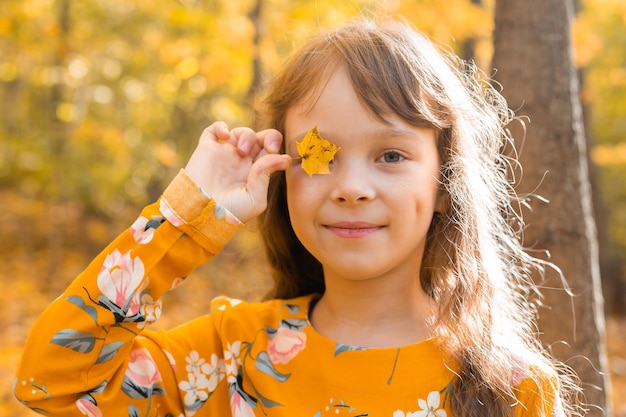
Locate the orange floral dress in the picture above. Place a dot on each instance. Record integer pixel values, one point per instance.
(90, 354)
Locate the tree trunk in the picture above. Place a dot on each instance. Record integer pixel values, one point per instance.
(469, 46)
(533, 60)
(56, 185)
(255, 15)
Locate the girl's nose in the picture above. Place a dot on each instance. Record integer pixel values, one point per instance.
(352, 183)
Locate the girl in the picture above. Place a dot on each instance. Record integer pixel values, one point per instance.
(400, 281)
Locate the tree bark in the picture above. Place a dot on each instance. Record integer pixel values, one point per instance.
(533, 60)
(255, 15)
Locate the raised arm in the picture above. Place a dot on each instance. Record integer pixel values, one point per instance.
(83, 355)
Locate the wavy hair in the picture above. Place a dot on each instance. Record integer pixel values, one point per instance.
(474, 266)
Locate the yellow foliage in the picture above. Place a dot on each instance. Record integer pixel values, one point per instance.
(5, 25)
(171, 53)
(587, 42)
(167, 86)
(8, 71)
(66, 112)
(606, 155)
(36, 8)
(166, 154)
(187, 68)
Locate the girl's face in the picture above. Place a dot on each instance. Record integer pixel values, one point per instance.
(369, 217)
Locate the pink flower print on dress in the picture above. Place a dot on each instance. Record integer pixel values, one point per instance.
(143, 229)
(285, 345)
(142, 376)
(239, 406)
(142, 369)
(119, 280)
(88, 408)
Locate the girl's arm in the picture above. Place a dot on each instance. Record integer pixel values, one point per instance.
(83, 355)
(83, 348)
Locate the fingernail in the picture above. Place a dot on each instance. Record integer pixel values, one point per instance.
(245, 147)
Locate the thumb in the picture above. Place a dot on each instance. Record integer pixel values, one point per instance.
(259, 176)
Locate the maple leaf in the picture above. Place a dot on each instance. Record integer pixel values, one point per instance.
(316, 153)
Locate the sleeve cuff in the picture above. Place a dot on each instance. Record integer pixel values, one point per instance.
(187, 207)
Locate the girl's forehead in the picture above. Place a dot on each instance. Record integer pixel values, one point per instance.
(316, 87)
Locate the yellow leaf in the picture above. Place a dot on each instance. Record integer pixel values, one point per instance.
(316, 153)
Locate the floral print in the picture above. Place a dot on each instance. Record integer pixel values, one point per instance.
(429, 407)
(88, 408)
(285, 342)
(141, 370)
(340, 408)
(143, 229)
(233, 360)
(87, 403)
(202, 381)
(119, 281)
(285, 345)
(149, 309)
(239, 407)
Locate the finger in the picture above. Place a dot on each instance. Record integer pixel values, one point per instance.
(259, 176)
(245, 139)
(217, 131)
(270, 140)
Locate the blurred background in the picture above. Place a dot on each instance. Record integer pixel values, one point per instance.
(102, 102)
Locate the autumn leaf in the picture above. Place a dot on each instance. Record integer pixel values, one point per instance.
(316, 153)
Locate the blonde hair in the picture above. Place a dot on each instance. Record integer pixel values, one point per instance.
(474, 265)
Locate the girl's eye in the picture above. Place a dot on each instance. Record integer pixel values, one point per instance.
(391, 157)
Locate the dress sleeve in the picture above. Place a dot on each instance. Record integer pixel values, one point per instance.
(88, 353)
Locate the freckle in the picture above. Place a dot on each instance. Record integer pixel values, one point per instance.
(23, 382)
(33, 392)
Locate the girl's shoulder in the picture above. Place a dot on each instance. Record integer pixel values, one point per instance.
(229, 313)
(293, 305)
(537, 389)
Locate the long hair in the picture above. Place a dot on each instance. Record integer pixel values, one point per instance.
(474, 267)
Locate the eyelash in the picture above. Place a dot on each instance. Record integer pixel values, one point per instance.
(393, 152)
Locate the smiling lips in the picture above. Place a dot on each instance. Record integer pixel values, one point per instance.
(353, 229)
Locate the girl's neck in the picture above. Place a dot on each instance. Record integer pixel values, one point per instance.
(367, 314)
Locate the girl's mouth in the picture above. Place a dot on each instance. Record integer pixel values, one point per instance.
(353, 229)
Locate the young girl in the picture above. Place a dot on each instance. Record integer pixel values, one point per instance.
(400, 280)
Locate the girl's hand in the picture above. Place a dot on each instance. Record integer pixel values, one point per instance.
(234, 167)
